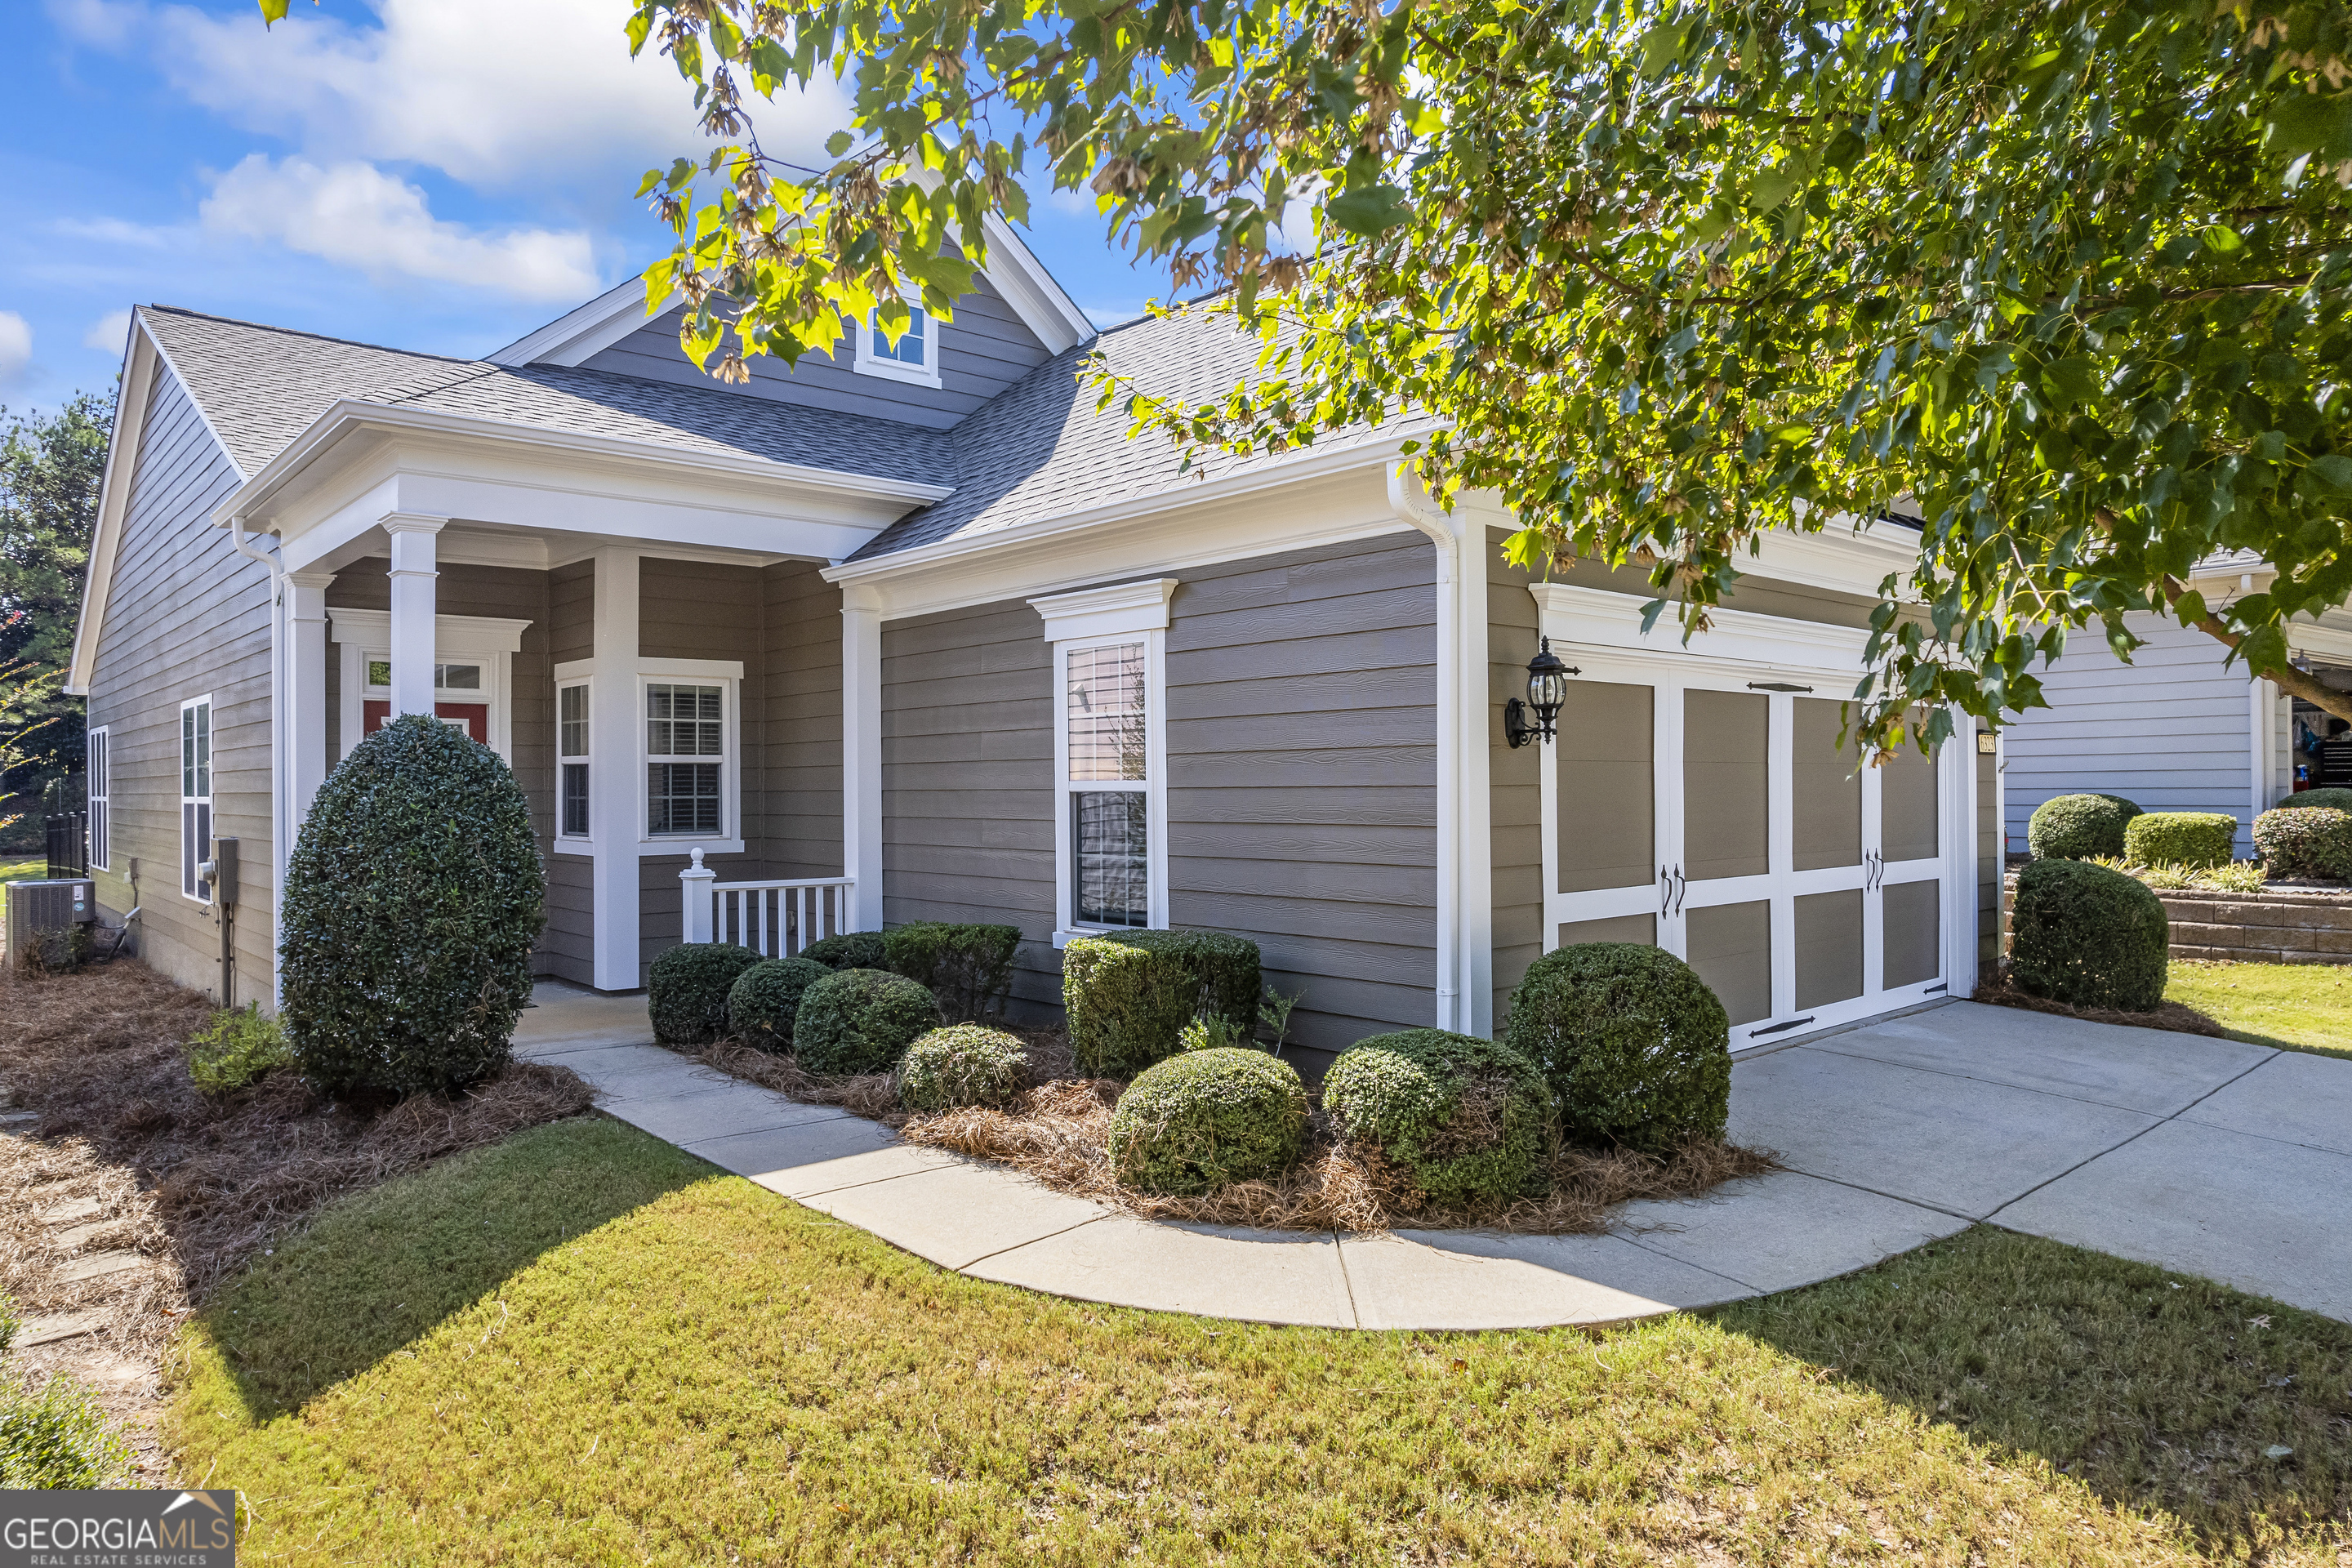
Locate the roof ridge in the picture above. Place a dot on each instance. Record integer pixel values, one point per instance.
(315, 337)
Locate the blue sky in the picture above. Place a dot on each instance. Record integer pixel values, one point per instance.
(434, 175)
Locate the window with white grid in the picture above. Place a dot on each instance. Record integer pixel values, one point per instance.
(686, 746)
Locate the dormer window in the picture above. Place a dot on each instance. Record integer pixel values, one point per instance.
(913, 358)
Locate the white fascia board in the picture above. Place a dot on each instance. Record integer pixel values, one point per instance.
(1598, 622)
(142, 356)
(350, 415)
(1841, 557)
(582, 334)
(1214, 520)
(1040, 303)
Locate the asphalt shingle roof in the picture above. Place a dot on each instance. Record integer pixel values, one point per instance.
(262, 386)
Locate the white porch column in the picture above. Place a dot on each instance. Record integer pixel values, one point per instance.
(306, 691)
(1465, 853)
(614, 778)
(415, 540)
(861, 758)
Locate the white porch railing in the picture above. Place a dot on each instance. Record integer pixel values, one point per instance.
(775, 919)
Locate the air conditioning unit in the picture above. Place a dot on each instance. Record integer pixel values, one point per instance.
(58, 910)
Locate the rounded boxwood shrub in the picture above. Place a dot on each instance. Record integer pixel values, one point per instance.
(968, 967)
(848, 950)
(963, 1064)
(1636, 1047)
(2087, 936)
(2179, 838)
(861, 1020)
(686, 990)
(1128, 995)
(2079, 827)
(2328, 797)
(1206, 1119)
(2313, 843)
(1469, 1118)
(766, 998)
(413, 898)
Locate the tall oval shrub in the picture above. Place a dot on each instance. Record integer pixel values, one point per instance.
(2087, 936)
(413, 898)
(1637, 1049)
(2079, 827)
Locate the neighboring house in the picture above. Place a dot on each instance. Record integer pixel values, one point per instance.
(922, 634)
(2177, 728)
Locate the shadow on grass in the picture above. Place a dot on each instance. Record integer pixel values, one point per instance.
(377, 1271)
(2158, 1390)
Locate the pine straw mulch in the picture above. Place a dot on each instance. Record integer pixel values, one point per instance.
(2177, 1016)
(1058, 1131)
(192, 1187)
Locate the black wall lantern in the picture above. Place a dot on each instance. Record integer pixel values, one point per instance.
(1547, 690)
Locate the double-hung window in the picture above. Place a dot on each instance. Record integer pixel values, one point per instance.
(571, 760)
(1110, 756)
(686, 759)
(196, 796)
(100, 803)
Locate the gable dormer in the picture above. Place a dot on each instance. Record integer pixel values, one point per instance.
(1016, 319)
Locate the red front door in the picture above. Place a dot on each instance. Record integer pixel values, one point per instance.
(473, 717)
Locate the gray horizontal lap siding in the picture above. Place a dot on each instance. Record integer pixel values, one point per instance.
(795, 776)
(185, 616)
(567, 947)
(2168, 731)
(983, 351)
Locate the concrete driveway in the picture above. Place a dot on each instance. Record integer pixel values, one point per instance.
(2215, 1158)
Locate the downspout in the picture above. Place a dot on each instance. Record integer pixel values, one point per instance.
(1464, 1002)
(242, 541)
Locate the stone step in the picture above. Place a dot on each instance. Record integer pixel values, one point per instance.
(51, 1327)
(99, 1264)
(70, 1210)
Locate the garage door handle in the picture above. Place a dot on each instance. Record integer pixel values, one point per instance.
(1666, 891)
(1682, 886)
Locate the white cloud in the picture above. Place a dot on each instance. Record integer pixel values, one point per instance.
(355, 215)
(109, 334)
(15, 348)
(503, 95)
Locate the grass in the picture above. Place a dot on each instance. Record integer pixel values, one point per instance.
(19, 871)
(2294, 1006)
(582, 1346)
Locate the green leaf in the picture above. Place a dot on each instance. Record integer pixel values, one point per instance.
(1772, 187)
(2312, 122)
(726, 37)
(2221, 239)
(2331, 475)
(1370, 210)
(640, 27)
(837, 143)
(272, 11)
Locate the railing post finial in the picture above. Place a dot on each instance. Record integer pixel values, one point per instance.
(696, 896)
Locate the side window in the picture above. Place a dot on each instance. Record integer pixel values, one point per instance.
(571, 760)
(196, 796)
(913, 358)
(1107, 703)
(686, 748)
(100, 858)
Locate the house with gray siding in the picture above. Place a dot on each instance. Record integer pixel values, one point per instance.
(913, 632)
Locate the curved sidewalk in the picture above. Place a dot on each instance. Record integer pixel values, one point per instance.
(2169, 1148)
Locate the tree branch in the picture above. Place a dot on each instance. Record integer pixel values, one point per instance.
(2286, 678)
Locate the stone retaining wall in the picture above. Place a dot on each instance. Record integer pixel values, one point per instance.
(2251, 928)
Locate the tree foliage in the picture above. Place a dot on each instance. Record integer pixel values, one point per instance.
(51, 466)
(2067, 282)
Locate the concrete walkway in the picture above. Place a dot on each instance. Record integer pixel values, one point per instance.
(2228, 1161)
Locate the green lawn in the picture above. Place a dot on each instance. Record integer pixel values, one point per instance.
(2296, 1006)
(19, 871)
(584, 1346)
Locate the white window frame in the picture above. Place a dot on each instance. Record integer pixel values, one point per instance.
(192, 887)
(1111, 617)
(98, 799)
(727, 674)
(926, 374)
(583, 842)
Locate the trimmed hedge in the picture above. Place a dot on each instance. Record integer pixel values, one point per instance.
(963, 1064)
(1470, 1119)
(1637, 1049)
(968, 967)
(2087, 936)
(1128, 995)
(413, 900)
(2179, 838)
(2079, 827)
(688, 988)
(2305, 842)
(861, 1020)
(765, 999)
(849, 950)
(1205, 1119)
(2326, 797)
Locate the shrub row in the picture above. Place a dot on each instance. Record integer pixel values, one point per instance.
(2304, 841)
(2079, 827)
(701, 991)
(2196, 838)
